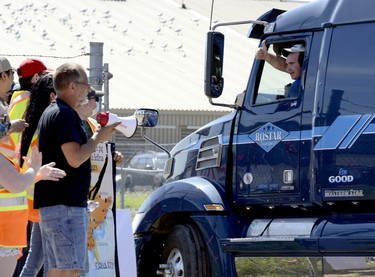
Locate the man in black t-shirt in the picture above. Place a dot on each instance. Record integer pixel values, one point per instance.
(63, 204)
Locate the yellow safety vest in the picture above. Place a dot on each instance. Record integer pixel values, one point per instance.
(93, 124)
(18, 105)
(13, 217)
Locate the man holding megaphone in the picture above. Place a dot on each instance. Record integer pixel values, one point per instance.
(63, 204)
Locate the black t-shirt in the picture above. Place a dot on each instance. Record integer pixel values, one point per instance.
(60, 124)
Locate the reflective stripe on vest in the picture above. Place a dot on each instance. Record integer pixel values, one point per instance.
(16, 110)
(17, 97)
(93, 124)
(12, 201)
(9, 149)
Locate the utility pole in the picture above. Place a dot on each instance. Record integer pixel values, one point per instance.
(107, 76)
(96, 65)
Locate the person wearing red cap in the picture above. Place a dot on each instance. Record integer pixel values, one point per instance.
(29, 72)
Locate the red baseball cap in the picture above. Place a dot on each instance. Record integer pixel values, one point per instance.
(29, 67)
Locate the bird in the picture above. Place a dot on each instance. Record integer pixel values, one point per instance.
(9, 28)
(64, 20)
(151, 43)
(113, 26)
(82, 49)
(164, 46)
(83, 11)
(52, 46)
(85, 22)
(79, 36)
(178, 31)
(179, 47)
(129, 50)
(195, 20)
(17, 35)
(163, 21)
(44, 34)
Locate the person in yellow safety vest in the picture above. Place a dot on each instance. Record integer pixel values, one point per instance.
(41, 95)
(17, 125)
(13, 182)
(29, 72)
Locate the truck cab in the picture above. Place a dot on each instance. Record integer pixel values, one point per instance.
(285, 180)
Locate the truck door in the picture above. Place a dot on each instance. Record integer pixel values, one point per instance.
(267, 145)
(344, 127)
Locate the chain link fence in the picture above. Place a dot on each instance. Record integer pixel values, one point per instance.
(142, 169)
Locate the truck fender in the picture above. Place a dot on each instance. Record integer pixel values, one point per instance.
(189, 195)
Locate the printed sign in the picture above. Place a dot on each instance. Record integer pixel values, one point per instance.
(101, 229)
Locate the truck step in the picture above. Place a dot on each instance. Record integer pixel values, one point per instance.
(298, 246)
(263, 238)
(271, 246)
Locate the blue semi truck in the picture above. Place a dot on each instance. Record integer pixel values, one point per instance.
(283, 185)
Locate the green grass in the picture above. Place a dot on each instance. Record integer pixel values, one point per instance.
(132, 201)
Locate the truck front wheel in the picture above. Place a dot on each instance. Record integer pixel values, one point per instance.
(185, 254)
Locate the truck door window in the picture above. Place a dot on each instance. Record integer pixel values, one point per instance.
(277, 84)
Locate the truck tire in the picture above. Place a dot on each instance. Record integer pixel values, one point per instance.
(185, 253)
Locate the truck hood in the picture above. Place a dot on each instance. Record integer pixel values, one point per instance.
(220, 126)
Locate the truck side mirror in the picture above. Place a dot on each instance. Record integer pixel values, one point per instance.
(147, 117)
(213, 81)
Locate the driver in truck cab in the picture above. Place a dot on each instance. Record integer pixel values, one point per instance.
(292, 64)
